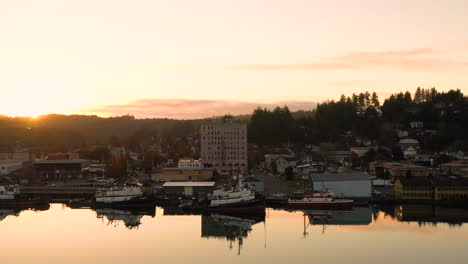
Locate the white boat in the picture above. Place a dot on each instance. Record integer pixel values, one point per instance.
(126, 193)
(9, 192)
(238, 194)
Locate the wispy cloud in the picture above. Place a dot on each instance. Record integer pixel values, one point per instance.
(189, 109)
(423, 59)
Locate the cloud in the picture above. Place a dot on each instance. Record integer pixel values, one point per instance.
(189, 109)
(423, 59)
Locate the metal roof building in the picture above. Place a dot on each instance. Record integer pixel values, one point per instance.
(343, 185)
(188, 188)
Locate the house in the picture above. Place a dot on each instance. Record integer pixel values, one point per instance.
(8, 166)
(269, 158)
(394, 170)
(408, 142)
(402, 133)
(283, 163)
(360, 151)
(458, 168)
(344, 185)
(189, 163)
(410, 153)
(416, 124)
(19, 154)
(338, 156)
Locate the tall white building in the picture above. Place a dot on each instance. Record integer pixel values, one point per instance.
(224, 145)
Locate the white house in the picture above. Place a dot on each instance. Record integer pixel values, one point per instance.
(408, 142)
(283, 163)
(189, 163)
(416, 124)
(410, 153)
(7, 166)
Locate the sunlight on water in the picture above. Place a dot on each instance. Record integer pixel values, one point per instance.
(365, 235)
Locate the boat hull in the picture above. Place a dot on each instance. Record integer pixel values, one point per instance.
(134, 202)
(21, 203)
(344, 204)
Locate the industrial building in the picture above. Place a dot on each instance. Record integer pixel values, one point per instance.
(59, 169)
(343, 185)
(188, 188)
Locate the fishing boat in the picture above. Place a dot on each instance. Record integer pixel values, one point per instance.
(236, 199)
(10, 197)
(320, 200)
(129, 194)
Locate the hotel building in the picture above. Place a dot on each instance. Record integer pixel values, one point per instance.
(224, 145)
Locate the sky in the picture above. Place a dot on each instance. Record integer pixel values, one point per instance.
(196, 58)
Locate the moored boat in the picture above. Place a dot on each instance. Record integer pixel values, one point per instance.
(320, 200)
(127, 195)
(237, 199)
(10, 197)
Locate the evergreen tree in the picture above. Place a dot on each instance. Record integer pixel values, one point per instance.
(367, 98)
(375, 100)
(418, 96)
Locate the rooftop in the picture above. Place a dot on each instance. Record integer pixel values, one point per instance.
(319, 177)
(189, 184)
(408, 141)
(59, 161)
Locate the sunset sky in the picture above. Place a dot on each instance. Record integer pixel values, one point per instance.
(193, 58)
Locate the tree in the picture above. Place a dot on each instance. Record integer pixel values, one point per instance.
(418, 96)
(362, 99)
(367, 98)
(375, 100)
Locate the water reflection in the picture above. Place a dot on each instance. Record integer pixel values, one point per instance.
(426, 214)
(209, 238)
(16, 210)
(130, 217)
(232, 228)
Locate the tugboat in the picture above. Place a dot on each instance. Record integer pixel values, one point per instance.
(237, 199)
(10, 197)
(320, 200)
(127, 195)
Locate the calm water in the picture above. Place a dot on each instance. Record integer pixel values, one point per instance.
(410, 234)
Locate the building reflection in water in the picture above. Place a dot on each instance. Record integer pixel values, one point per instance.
(232, 228)
(429, 214)
(130, 218)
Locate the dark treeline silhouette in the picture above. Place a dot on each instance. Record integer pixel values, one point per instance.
(357, 116)
(361, 115)
(52, 133)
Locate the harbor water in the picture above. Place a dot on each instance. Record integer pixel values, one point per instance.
(401, 234)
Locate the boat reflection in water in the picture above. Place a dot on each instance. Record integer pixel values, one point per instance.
(356, 216)
(15, 211)
(130, 218)
(232, 228)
